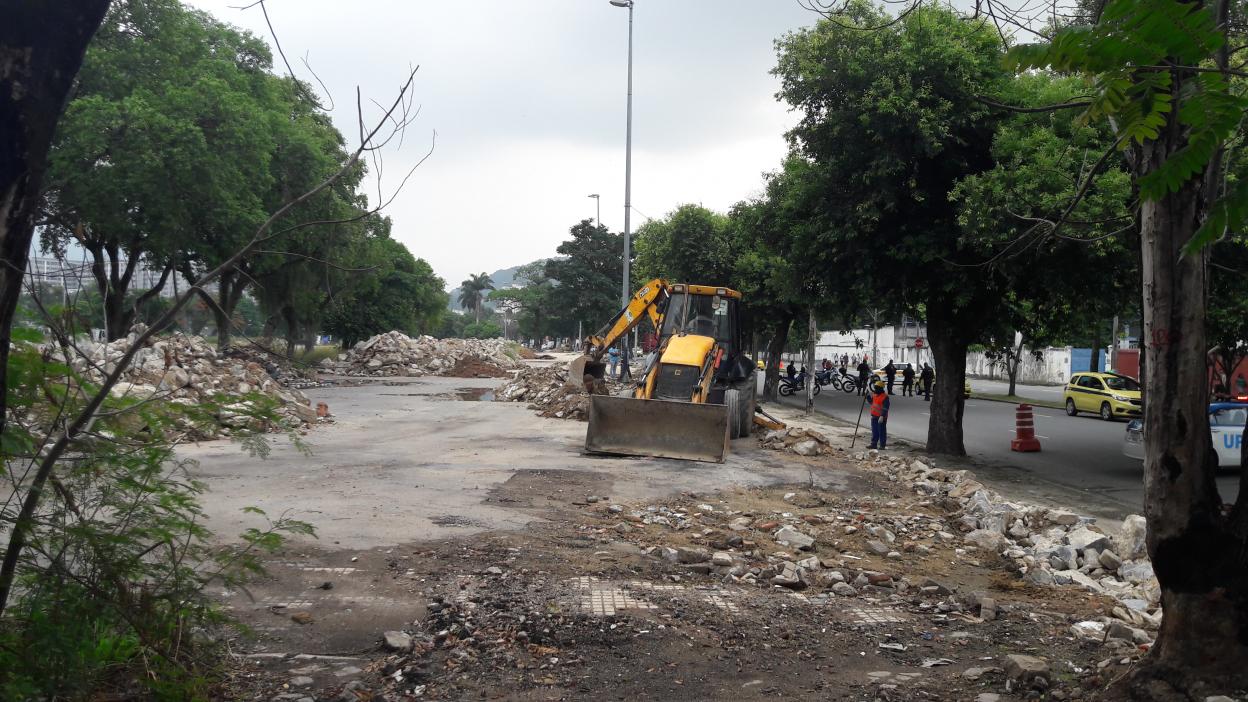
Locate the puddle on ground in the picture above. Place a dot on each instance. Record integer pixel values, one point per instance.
(475, 394)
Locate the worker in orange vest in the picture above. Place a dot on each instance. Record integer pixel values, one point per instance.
(879, 416)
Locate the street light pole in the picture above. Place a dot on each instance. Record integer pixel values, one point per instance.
(628, 155)
(598, 205)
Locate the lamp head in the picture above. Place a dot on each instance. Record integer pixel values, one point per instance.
(622, 3)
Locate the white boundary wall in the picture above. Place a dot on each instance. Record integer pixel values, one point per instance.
(1052, 368)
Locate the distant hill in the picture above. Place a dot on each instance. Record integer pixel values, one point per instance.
(504, 278)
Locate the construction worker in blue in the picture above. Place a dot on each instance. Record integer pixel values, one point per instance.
(879, 416)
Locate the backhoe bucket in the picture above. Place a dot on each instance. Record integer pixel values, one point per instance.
(663, 428)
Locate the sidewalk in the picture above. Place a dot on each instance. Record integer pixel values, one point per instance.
(1043, 395)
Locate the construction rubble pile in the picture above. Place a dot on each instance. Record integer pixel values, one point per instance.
(397, 354)
(858, 548)
(286, 373)
(550, 392)
(187, 370)
(803, 442)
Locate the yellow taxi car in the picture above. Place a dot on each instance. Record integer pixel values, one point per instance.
(1108, 394)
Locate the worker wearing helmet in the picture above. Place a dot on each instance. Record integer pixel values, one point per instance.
(879, 415)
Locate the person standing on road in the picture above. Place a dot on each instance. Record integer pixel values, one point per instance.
(863, 371)
(907, 381)
(890, 372)
(626, 372)
(879, 416)
(926, 377)
(613, 358)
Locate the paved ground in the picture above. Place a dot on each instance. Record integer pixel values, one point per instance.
(1083, 453)
(469, 525)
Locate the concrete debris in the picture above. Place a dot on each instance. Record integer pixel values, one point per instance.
(397, 641)
(792, 537)
(1132, 538)
(1083, 538)
(803, 442)
(548, 390)
(397, 354)
(1048, 548)
(1025, 668)
(186, 370)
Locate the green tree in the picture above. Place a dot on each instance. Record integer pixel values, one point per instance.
(402, 293)
(166, 135)
(482, 330)
(1058, 286)
(472, 292)
(890, 121)
(588, 271)
(690, 245)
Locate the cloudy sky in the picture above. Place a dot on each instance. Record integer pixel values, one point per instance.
(528, 102)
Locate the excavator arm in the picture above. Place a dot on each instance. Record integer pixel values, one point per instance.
(648, 302)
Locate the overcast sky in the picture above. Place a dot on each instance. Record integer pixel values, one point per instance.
(528, 101)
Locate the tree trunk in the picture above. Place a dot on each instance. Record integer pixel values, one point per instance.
(117, 316)
(292, 330)
(41, 49)
(1014, 362)
(775, 348)
(944, 426)
(1199, 555)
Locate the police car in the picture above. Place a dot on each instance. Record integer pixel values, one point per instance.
(1226, 425)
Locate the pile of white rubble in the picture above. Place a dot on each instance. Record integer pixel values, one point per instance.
(186, 369)
(1048, 547)
(397, 354)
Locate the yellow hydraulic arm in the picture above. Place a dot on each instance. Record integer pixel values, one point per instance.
(646, 302)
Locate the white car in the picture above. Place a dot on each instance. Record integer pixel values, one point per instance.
(1226, 426)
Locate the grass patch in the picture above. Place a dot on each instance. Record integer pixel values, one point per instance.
(1015, 399)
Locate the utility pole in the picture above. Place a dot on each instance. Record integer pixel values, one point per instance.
(628, 177)
(813, 333)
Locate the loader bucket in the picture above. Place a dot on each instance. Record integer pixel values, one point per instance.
(663, 428)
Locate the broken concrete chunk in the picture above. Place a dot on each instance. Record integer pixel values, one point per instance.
(1024, 668)
(1109, 560)
(1132, 541)
(792, 537)
(686, 554)
(397, 641)
(1081, 538)
(985, 539)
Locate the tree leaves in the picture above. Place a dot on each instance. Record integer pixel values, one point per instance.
(1149, 58)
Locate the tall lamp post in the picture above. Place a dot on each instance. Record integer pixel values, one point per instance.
(598, 205)
(628, 153)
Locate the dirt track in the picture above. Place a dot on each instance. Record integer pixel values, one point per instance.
(468, 525)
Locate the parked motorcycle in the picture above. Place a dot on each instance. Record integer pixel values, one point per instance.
(796, 385)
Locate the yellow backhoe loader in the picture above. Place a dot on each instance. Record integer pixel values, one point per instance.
(697, 390)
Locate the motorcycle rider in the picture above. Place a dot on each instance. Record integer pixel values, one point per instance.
(863, 371)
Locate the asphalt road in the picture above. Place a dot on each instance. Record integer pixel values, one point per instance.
(1083, 453)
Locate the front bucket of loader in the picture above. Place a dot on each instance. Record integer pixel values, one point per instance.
(662, 428)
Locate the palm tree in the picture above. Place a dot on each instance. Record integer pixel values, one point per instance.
(472, 292)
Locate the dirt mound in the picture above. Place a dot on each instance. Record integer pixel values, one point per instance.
(187, 370)
(397, 354)
(475, 368)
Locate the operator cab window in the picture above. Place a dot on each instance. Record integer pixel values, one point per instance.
(703, 315)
